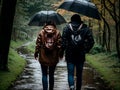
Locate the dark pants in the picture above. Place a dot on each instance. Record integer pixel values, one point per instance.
(45, 71)
(79, 69)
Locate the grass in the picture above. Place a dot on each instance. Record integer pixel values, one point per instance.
(17, 43)
(108, 66)
(31, 47)
(16, 65)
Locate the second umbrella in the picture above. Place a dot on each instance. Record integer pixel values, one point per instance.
(81, 6)
(41, 17)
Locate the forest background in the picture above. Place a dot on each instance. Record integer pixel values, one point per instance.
(106, 31)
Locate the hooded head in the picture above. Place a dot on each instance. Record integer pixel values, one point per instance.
(49, 27)
(76, 18)
(50, 23)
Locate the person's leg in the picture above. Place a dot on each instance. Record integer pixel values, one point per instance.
(44, 77)
(70, 68)
(79, 69)
(51, 77)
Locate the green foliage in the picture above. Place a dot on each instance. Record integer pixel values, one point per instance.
(108, 67)
(16, 44)
(97, 49)
(31, 47)
(16, 65)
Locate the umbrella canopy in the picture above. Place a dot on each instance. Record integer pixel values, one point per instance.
(81, 6)
(41, 17)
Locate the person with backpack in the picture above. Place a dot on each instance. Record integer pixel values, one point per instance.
(47, 49)
(77, 40)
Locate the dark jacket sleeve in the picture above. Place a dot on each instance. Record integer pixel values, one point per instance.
(64, 38)
(64, 41)
(89, 41)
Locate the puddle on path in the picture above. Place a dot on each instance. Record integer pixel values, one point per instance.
(31, 77)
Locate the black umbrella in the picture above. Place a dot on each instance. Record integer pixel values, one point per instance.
(81, 6)
(40, 18)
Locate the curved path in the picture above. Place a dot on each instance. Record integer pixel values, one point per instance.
(31, 77)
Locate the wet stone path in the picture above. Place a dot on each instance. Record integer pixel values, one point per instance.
(31, 78)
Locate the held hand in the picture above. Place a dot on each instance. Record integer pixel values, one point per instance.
(36, 58)
(60, 58)
(61, 54)
(36, 55)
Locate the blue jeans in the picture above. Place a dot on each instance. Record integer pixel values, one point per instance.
(45, 71)
(79, 69)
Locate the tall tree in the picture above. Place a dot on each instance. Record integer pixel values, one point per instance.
(113, 11)
(6, 23)
(111, 20)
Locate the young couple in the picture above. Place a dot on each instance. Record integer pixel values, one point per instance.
(74, 55)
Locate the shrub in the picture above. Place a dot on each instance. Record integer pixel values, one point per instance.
(97, 49)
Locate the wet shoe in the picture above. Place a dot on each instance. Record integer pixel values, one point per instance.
(72, 88)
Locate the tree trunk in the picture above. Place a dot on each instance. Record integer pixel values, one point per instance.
(100, 34)
(118, 34)
(118, 41)
(7, 16)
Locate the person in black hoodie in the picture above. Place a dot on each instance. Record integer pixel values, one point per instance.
(77, 40)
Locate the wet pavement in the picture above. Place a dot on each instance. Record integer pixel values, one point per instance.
(31, 78)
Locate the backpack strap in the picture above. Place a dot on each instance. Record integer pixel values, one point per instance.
(71, 27)
(78, 27)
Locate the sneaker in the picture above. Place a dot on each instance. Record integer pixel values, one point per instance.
(71, 87)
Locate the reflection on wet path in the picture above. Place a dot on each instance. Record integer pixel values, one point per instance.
(31, 77)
